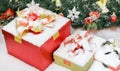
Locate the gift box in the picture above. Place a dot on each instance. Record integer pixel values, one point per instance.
(75, 52)
(109, 56)
(36, 47)
(98, 66)
(106, 63)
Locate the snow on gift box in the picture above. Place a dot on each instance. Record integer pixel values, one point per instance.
(35, 49)
(108, 57)
(75, 52)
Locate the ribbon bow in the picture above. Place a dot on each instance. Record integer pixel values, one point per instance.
(75, 41)
(102, 5)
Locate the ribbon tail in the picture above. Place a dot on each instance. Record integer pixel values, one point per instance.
(112, 68)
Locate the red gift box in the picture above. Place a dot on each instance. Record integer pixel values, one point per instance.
(40, 57)
(37, 56)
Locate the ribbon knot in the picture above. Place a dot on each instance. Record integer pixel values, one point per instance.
(76, 42)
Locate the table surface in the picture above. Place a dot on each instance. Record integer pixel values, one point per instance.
(10, 63)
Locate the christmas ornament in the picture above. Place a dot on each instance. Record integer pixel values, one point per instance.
(94, 15)
(88, 20)
(73, 14)
(102, 5)
(8, 14)
(113, 18)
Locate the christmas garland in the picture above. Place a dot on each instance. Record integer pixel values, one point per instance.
(92, 14)
(89, 14)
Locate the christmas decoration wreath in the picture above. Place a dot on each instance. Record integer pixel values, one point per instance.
(89, 14)
(92, 14)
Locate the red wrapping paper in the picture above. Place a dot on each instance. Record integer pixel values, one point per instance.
(39, 57)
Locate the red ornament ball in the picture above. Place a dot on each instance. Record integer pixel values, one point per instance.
(113, 18)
